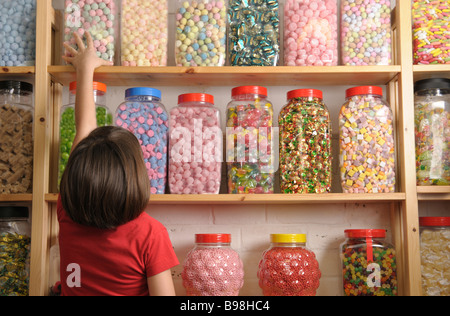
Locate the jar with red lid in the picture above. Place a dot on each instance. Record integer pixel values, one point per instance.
(249, 148)
(435, 255)
(195, 146)
(368, 264)
(367, 143)
(305, 143)
(213, 268)
(288, 267)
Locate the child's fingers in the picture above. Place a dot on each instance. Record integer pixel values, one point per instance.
(70, 49)
(68, 59)
(90, 42)
(79, 41)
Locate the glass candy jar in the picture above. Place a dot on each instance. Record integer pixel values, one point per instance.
(249, 147)
(67, 126)
(305, 143)
(145, 116)
(435, 254)
(196, 145)
(432, 131)
(288, 267)
(213, 268)
(15, 241)
(368, 264)
(367, 144)
(16, 137)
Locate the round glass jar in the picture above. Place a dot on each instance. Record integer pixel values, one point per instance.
(368, 264)
(288, 267)
(305, 143)
(16, 137)
(196, 145)
(432, 131)
(145, 116)
(367, 144)
(213, 268)
(435, 255)
(249, 147)
(15, 242)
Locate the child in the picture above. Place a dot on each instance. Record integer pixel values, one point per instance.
(108, 244)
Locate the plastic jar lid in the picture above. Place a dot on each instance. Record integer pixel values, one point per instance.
(16, 86)
(249, 90)
(13, 212)
(434, 221)
(213, 238)
(288, 238)
(302, 93)
(195, 97)
(433, 83)
(132, 92)
(363, 90)
(96, 86)
(361, 233)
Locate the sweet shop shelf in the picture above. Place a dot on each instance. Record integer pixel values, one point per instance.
(16, 197)
(431, 71)
(431, 193)
(233, 76)
(25, 70)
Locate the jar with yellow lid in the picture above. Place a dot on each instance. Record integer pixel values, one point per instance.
(288, 267)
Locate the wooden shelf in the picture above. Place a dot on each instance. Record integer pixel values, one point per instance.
(223, 76)
(431, 71)
(433, 193)
(29, 70)
(267, 198)
(16, 197)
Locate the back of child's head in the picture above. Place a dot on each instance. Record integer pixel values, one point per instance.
(105, 183)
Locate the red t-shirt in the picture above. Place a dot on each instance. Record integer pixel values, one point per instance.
(112, 262)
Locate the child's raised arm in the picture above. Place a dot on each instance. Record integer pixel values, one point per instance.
(85, 61)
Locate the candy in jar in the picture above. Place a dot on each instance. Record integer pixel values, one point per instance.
(305, 143)
(366, 141)
(249, 145)
(145, 116)
(310, 33)
(435, 255)
(195, 146)
(431, 27)
(366, 32)
(368, 264)
(288, 267)
(144, 32)
(200, 33)
(213, 268)
(254, 33)
(432, 131)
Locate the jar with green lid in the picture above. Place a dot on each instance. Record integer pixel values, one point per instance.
(16, 137)
(368, 264)
(67, 127)
(435, 255)
(432, 131)
(15, 242)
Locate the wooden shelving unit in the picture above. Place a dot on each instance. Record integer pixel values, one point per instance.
(49, 79)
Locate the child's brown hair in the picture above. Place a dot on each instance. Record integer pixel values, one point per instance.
(105, 183)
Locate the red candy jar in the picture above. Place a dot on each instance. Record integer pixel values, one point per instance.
(288, 268)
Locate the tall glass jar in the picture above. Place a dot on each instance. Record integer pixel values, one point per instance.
(435, 254)
(431, 20)
(432, 130)
(213, 268)
(249, 152)
(67, 127)
(97, 17)
(145, 116)
(16, 137)
(254, 33)
(368, 264)
(201, 27)
(310, 33)
(15, 241)
(196, 145)
(17, 33)
(305, 143)
(366, 32)
(288, 267)
(144, 32)
(367, 144)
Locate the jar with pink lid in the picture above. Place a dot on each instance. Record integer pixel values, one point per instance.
(213, 268)
(195, 147)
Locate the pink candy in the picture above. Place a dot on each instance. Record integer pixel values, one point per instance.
(311, 33)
